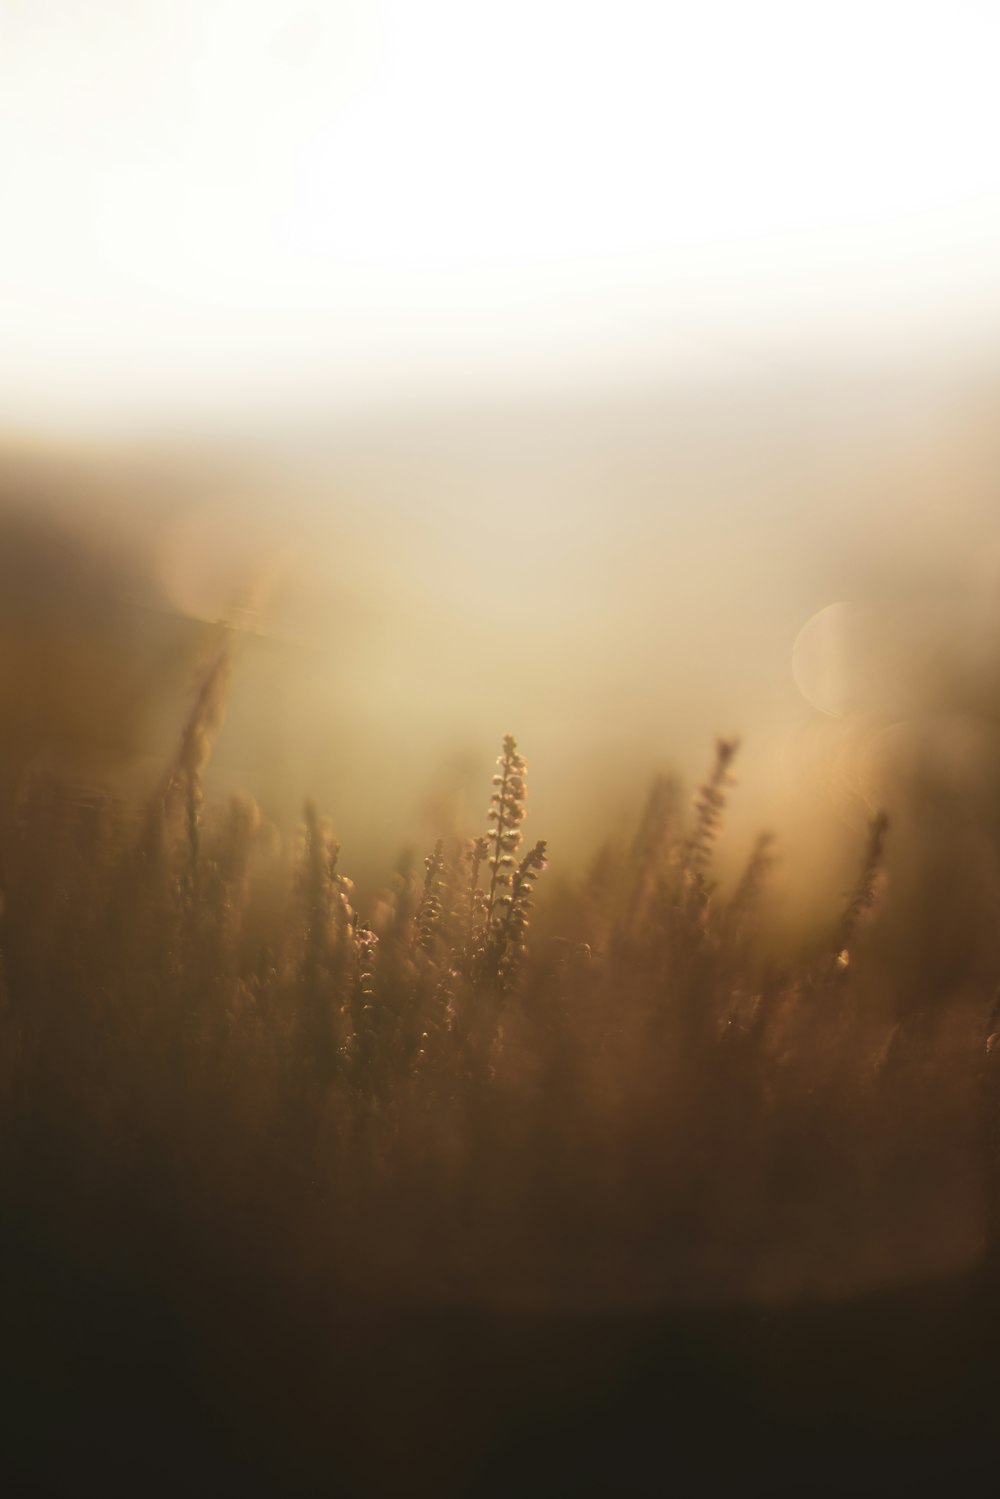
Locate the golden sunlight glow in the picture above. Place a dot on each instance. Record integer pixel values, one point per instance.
(381, 380)
(217, 199)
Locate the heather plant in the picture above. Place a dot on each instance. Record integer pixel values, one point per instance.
(462, 1087)
(654, 842)
(863, 896)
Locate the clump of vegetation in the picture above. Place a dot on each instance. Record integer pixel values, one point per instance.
(215, 1068)
(627, 1092)
(442, 1095)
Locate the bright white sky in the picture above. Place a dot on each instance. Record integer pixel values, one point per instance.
(208, 201)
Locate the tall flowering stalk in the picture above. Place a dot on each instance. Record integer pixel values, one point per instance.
(709, 805)
(509, 897)
(865, 892)
(518, 911)
(650, 851)
(181, 786)
(504, 837)
(430, 909)
(477, 854)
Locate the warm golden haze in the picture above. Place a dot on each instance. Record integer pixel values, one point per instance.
(216, 205)
(390, 1105)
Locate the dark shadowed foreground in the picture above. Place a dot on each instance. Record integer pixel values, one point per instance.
(619, 1195)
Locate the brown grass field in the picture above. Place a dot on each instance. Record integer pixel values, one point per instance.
(499, 749)
(516, 1179)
